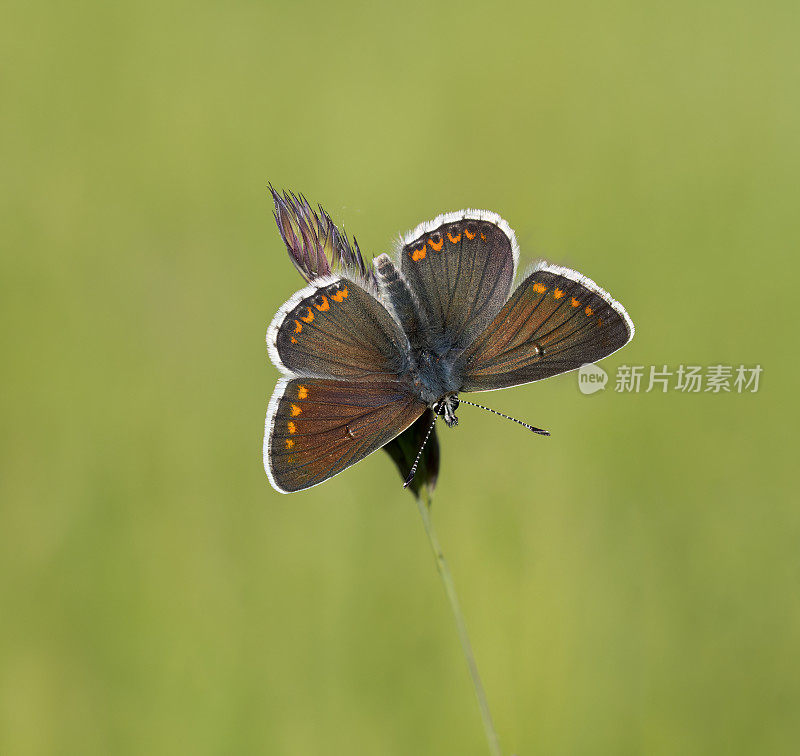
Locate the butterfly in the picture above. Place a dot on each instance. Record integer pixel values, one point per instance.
(365, 352)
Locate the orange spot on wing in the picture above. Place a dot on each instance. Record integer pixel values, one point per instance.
(558, 293)
(483, 236)
(295, 410)
(588, 310)
(339, 295)
(289, 443)
(294, 340)
(575, 302)
(540, 288)
(418, 254)
(436, 246)
(302, 392)
(469, 235)
(308, 318)
(324, 306)
(291, 427)
(599, 321)
(454, 241)
(297, 326)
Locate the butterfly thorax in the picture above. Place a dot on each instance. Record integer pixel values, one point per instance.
(432, 376)
(434, 381)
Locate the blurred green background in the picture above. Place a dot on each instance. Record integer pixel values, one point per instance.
(630, 584)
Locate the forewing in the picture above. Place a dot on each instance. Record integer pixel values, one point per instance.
(333, 328)
(555, 321)
(318, 427)
(460, 266)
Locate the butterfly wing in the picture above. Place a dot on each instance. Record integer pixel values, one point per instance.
(318, 427)
(460, 267)
(341, 353)
(555, 321)
(333, 328)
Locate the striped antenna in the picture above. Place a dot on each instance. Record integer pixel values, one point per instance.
(507, 417)
(413, 472)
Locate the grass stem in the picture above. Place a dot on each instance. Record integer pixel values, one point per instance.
(424, 504)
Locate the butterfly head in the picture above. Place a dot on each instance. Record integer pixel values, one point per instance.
(446, 407)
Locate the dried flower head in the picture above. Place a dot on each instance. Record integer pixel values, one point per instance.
(316, 246)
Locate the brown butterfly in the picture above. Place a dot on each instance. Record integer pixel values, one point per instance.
(364, 353)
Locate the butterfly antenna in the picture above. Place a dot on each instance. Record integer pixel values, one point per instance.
(507, 417)
(413, 472)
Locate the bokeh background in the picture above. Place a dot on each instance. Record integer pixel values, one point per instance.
(631, 583)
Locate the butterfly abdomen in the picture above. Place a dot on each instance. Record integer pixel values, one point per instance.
(397, 294)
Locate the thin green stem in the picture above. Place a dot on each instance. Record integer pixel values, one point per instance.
(466, 646)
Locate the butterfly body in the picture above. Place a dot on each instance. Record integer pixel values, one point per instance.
(364, 356)
(431, 376)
